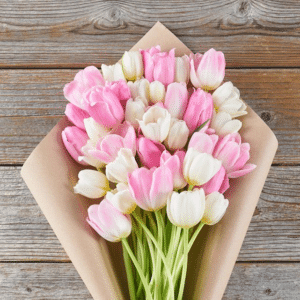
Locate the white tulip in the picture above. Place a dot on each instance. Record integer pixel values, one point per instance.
(178, 135)
(122, 199)
(112, 72)
(223, 124)
(132, 63)
(186, 209)
(134, 111)
(215, 208)
(199, 168)
(89, 159)
(155, 124)
(92, 184)
(182, 69)
(140, 88)
(125, 163)
(227, 98)
(157, 92)
(94, 130)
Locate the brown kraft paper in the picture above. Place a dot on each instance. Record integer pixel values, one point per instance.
(50, 173)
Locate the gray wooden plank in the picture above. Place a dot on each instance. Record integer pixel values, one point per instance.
(61, 281)
(31, 102)
(272, 236)
(77, 33)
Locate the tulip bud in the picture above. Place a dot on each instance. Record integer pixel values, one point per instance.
(132, 63)
(134, 111)
(175, 164)
(227, 98)
(203, 142)
(215, 208)
(120, 89)
(88, 158)
(122, 199)
(108, 222)
(113, 72)
(210, 71)
(124, 164)
(151, 188)
(74, 139)
(223, 124)
(94, 130)
(92, 184)
(149, 152)
(176, 99)
(199, 109)
(178, 135)
(104, 106)
(186, 209)
(182, 69)
(76, 115)
(157, 92)
(199, 168)
(140, 88)
(155, 124)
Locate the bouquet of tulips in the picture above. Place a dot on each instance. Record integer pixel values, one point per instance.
(159, 136)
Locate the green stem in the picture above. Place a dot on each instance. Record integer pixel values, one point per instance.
(158, 250)
(184, 271)
(190, 188)
(129, 274)
(139, 269)
(194, 236)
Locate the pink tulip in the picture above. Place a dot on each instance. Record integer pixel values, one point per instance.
(199, 110)
(83, 81)
(76, 115)
(149, 152)
(203, 142)
(210, 71)
(74, 139)
(121, 89)
(234, 154)
(108, 147)
(108, 221)
(158, 65)
(175, 164)
(151, 188)
(104, 106)
(219, 183)
(176, 99)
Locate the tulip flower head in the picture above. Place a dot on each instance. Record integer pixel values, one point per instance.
(113, 72)
(92, 184)
(109, 222)
(74, 139)
(199, 168)
(215, 208)
(117, 170)
(210, 72)
(122, 199)
(178, 135)
(155, 124)
(83, 81)
(76, 115)
(151, 188)
(134, 111)
(186, 209)
(182, 69)
(132, 63)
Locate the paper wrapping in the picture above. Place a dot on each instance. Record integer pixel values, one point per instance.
(50, 173)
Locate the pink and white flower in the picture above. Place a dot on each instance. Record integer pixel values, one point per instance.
(151, 188)
(109, 222)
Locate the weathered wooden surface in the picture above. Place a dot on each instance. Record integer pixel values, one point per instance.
(31, 102)
(61, 281)
(260, 39)
(76, 33)
(272, 236)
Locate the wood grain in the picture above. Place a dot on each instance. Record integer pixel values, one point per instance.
(260, 33)
(61, 281)
(31, 103)
(272, 236)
